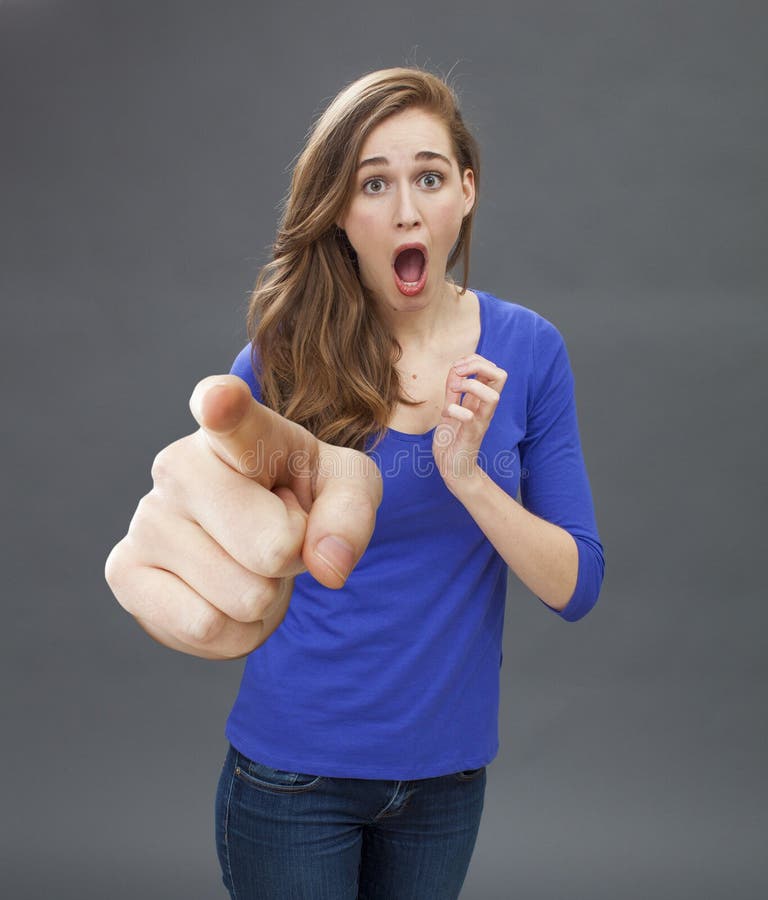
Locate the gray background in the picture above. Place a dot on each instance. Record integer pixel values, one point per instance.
(145, 149)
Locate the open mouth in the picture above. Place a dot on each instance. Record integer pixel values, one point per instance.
(410, 271)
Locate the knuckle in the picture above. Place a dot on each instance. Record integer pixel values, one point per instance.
(255, 600)
(163, 465)
(116, 565)
(120, 573)
(203, 628)
(373, 477)
(153, 528)
(147, 511)
(170, 460)
(243, 645)
(273, 555)
(358, 504)
(366, 504)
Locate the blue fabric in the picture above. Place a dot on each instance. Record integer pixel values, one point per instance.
(396, 675)
(286, 834)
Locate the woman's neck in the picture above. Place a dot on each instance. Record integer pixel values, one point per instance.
(419, 330)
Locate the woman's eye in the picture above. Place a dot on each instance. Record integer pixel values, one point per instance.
(436, 179)
(431, 180)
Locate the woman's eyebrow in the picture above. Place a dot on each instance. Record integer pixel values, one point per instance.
(383, 161)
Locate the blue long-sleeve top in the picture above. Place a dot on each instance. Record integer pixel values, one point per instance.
(396, 675)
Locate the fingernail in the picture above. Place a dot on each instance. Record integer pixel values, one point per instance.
(337, 554)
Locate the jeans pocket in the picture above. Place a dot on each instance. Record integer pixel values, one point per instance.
(264, 777)
(469, 774)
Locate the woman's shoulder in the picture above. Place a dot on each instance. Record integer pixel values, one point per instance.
(507, 320)
(243, 368)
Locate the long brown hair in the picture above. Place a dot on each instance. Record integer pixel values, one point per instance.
(321, 353)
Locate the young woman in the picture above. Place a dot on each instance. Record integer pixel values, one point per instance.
(360, 494)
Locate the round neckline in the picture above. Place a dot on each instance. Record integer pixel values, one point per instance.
(423, 436)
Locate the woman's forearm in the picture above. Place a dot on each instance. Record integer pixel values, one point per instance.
(542, 555)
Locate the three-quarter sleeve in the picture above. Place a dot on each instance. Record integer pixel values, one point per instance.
(243, 368)
(554, 484)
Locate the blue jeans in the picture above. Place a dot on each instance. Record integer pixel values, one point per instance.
(296, 836)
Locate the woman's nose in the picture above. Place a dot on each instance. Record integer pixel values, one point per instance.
(407, 215)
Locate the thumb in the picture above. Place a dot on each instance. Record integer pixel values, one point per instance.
(343, 515)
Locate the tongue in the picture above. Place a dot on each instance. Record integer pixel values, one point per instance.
(409, 264)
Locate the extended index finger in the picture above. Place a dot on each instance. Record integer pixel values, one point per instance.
(253, 439)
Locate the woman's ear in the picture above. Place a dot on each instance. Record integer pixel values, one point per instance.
(468, 188)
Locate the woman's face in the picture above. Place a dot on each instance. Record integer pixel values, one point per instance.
(407, 190)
